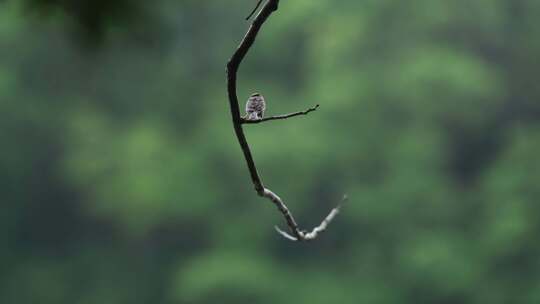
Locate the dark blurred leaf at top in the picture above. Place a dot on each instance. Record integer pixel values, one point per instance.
(91, 17)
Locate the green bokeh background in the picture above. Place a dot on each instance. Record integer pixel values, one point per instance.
(121, 180)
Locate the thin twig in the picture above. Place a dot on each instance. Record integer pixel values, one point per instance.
(278, 117)
(254, 10)
(303, 236)
(237, 120)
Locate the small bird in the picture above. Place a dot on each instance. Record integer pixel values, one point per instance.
(255, 107)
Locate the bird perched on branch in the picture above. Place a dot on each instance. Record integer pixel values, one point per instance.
(255, 107)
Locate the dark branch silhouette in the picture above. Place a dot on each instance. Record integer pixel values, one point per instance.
(232, 70)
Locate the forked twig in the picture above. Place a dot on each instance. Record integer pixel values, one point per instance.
(307, 236)
(232, 70)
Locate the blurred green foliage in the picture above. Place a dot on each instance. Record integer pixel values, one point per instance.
(122, 182)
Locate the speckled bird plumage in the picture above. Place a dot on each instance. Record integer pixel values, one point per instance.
(255, 107)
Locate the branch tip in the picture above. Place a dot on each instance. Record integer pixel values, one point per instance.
(285, 234)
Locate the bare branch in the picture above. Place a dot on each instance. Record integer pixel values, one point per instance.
(315, 232)
(232, 69)
(278, 117)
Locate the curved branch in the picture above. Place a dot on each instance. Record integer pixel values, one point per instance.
(278, 117)
(232, 70)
